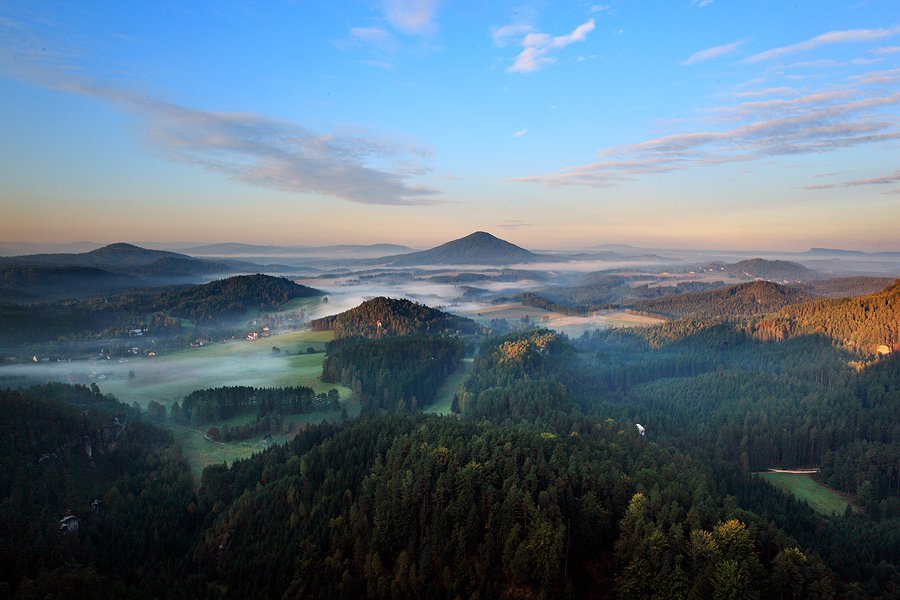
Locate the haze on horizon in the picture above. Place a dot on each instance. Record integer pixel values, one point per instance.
(692, 124)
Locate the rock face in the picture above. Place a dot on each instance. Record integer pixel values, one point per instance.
(479, 248)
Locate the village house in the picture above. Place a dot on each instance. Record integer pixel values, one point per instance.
(69, 524)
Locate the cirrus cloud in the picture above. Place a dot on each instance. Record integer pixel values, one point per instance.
(538, 47)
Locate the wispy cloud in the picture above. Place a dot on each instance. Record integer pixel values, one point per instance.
(411, 17)
(354, 165)
(537, 48)
(885, 50)
(874, 77)
(520, 132)
(814, 124)
(886, 180)
(701, 3)
(771, 91)
(601, 8)
(832, 37)
(513, 224)
(376, 37)
(514, 31)
(711, 53)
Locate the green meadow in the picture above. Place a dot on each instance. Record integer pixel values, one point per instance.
(170, 377)
(444, 398)
(820, 498)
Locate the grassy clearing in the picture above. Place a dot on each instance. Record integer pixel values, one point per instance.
(201, 452)
(170, 377)
(444, 398)
(820, 498)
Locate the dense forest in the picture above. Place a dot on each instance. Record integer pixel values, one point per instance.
(864, 324)
(154, 309)
(541, 486)
(385, 317)
(114, 523)
(741, 300)
(394, 506)
(218, 404)
(399, 373)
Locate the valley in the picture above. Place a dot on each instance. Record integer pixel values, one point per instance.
(649, 390)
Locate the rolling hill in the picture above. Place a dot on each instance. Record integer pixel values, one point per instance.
(479, 248)
(386, 317)
(742, 300)
(869, 325)
(770, 270)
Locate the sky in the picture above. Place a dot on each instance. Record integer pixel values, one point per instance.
(721, 124)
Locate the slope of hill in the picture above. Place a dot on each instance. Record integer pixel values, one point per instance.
(479, 248)
(742, 300)
(232, 295)
(49, 282)
(385, 317)
(771, 270)
(844, 287)
(114, 315)
(866, 324)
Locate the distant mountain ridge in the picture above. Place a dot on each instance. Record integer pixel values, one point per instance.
(234, 248)
(479, 248)
(110, 268)
(123, 258)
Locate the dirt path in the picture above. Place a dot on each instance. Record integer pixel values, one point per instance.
(794, 471)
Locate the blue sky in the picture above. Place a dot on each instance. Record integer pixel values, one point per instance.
(695, 123)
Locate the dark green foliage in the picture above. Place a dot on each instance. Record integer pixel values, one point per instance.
(130, 539)
(155, 309)
(519, 376)
(401, 374)
(387, 317)
(221, 403)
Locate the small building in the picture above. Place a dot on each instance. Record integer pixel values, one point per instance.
(253, 335)
(69, 524)
(640, 428)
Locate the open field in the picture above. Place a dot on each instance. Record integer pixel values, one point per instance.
(569, 325)
(170, 377)
(444, 398)
(200, 451)
(820, 498)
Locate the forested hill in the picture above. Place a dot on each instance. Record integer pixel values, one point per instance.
(383, 317)
(742, 300)
(865, 324)
(771, 270)
(153, 308)
(425, 507)
(234, 294)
